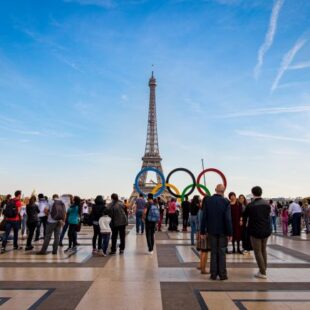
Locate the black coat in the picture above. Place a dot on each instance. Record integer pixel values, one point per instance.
(258, 214)
(216, 216)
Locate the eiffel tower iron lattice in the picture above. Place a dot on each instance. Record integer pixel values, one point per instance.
(151, 156)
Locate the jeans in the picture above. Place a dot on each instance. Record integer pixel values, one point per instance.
(8, 226)
(121, 230)
(274, 223)
(194, 225)
(50, 229)
(31, 228)
(24, 224)
(97, 235)
(105, 242)
(259, 246)
(139, 221)
(296, 223)
(218, 244)
(72, 235)
(63, 231)
(42, 221)
(150, 232)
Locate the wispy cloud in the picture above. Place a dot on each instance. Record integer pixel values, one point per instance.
(269, 36)
(301, 65)
(254, 134)
(266, 111)
(108, 4)
(286, 62)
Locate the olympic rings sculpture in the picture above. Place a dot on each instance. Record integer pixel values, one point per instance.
(172, 189)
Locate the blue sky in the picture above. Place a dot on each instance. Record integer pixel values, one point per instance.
(233, 88)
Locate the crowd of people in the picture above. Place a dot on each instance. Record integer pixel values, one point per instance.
(213, 222)
(41, 218)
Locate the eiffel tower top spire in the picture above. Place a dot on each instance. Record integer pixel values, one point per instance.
(151, 147)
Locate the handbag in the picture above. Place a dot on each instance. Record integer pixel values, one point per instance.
(205, 244)
(2, 225)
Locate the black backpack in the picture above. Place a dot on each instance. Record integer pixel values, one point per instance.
(10, 210)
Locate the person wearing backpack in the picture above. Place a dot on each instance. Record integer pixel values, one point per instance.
(56, 215)
(73, 221)
(151, 217)
(118, 223)
(11, 213)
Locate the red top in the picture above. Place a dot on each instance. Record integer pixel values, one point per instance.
(18, 204)
(172, 207)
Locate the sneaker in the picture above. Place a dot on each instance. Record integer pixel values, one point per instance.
(54, 253)
(2, 250)
(18, 248)
(28, 248)
(67, 250)
(60, 244)
(260, 276)
(121, 252)
(74, 249)
(151, 252)
(104, 254)
(112, 253)
(224, 278)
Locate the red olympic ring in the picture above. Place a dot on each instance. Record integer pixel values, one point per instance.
(220, 173)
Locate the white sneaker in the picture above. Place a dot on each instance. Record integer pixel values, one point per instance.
(151, 253)
(260, 276)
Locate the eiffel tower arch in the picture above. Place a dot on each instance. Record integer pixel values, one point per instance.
(151, 157)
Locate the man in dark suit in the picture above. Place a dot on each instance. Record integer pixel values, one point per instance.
(216, 224)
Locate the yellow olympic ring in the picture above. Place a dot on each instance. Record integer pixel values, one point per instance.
(158, 186)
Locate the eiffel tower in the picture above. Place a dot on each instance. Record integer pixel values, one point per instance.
(151, 156)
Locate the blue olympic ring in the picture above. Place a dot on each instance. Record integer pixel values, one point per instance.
(163, 181)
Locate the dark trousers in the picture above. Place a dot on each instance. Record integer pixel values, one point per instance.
(8, 226)
(63, 231)
(50, 229)
(97, 235)
(260, 252)
(149, 232)
(185, 221)
(31, 228)
(105, 242)
(296, 223)
(72, 235)
(121, 231)
(139, 222)
(218, 245)
(42, 221)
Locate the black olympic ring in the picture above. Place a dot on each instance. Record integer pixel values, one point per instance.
(188, 172)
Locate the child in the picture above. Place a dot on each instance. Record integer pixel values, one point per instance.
(284, 219)
(105, 230)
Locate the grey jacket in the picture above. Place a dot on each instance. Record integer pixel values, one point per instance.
(117, 213)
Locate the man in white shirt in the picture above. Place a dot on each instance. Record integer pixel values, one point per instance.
(43, 204)
(295, 211)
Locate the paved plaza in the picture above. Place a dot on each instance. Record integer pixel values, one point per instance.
(168, 279)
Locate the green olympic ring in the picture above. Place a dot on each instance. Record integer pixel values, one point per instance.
(193, 185)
